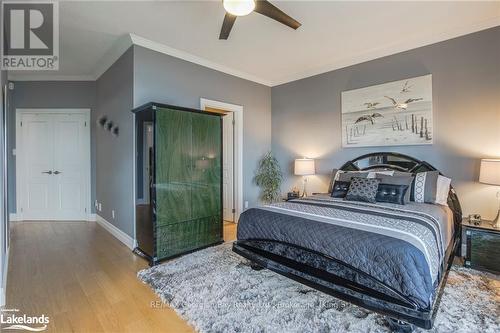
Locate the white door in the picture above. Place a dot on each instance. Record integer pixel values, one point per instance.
(227, 167)
(54, 159)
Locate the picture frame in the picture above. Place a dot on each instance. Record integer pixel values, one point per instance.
(398, 113)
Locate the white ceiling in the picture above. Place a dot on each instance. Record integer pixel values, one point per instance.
(333, 35)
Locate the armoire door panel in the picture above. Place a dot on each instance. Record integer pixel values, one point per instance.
(206, 174)
(173, 166)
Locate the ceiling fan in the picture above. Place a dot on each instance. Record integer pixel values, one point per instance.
(235, 8)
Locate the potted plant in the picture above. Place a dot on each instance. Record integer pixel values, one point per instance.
(269, 178)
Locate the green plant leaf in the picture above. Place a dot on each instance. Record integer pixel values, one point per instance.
(269, 178)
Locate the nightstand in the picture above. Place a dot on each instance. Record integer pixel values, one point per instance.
(481, 246)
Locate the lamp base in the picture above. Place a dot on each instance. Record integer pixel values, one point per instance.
(496, 221)
(304, 192)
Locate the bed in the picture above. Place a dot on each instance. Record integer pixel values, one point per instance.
(392, 259)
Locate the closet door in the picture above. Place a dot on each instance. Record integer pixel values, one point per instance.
(37, 132)
(70, 166)
(54, 171)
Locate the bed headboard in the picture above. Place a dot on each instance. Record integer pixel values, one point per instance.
(401, 162)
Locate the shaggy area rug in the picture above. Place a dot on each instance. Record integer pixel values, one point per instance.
(215, 290)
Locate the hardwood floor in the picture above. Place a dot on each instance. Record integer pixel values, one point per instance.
(84, 280)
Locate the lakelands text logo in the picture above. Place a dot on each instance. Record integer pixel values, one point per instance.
(11, 319)
(30, 35)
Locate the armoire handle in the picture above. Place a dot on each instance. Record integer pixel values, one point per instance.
(57, 172)
(47, 172)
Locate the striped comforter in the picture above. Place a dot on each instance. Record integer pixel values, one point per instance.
(402, 246)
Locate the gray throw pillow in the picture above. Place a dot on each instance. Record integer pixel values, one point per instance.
(339, 189)
(363, 189)
(332, 180)
(424, 188)
(399, 180)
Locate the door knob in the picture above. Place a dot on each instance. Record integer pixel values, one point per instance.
(47, 172)
(57, 172)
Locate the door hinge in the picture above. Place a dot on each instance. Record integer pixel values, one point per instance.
(234, 122)
(21, 124)
(85, 210)
(85, 124)
(233, 210)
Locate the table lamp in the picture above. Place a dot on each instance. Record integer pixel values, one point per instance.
(304, 167)
(490, 174)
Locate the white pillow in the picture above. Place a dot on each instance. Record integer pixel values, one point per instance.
(373, 174)
(443, 189)
(337, 174)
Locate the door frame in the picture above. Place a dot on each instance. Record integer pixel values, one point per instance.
(237, 111)
(19, 153)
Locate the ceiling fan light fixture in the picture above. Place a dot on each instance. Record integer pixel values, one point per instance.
(239, 7)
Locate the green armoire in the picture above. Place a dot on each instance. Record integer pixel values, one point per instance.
(178, 180)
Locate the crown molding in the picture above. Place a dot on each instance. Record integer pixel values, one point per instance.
(115, 52)
(126, 41)
(162, 48)
(391, 49)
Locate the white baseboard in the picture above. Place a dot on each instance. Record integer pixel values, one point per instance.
(13, 217)
(3, 287)
(120, 235)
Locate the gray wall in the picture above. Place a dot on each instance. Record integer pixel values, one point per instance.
(114, 155)
(466, 93)
(3, 217)
(165, 79)
(48, 94)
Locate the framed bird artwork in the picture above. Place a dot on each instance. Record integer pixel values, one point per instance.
(396, 113)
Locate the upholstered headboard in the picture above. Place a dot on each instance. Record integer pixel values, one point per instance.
(401, 162)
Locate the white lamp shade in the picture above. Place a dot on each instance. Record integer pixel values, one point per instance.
(304, 167)
(490, 171)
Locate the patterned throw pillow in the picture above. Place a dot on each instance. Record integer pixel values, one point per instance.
(430, 187)
(363, 189)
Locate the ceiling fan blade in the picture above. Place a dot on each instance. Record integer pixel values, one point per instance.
(227, 25)
(267, 9)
